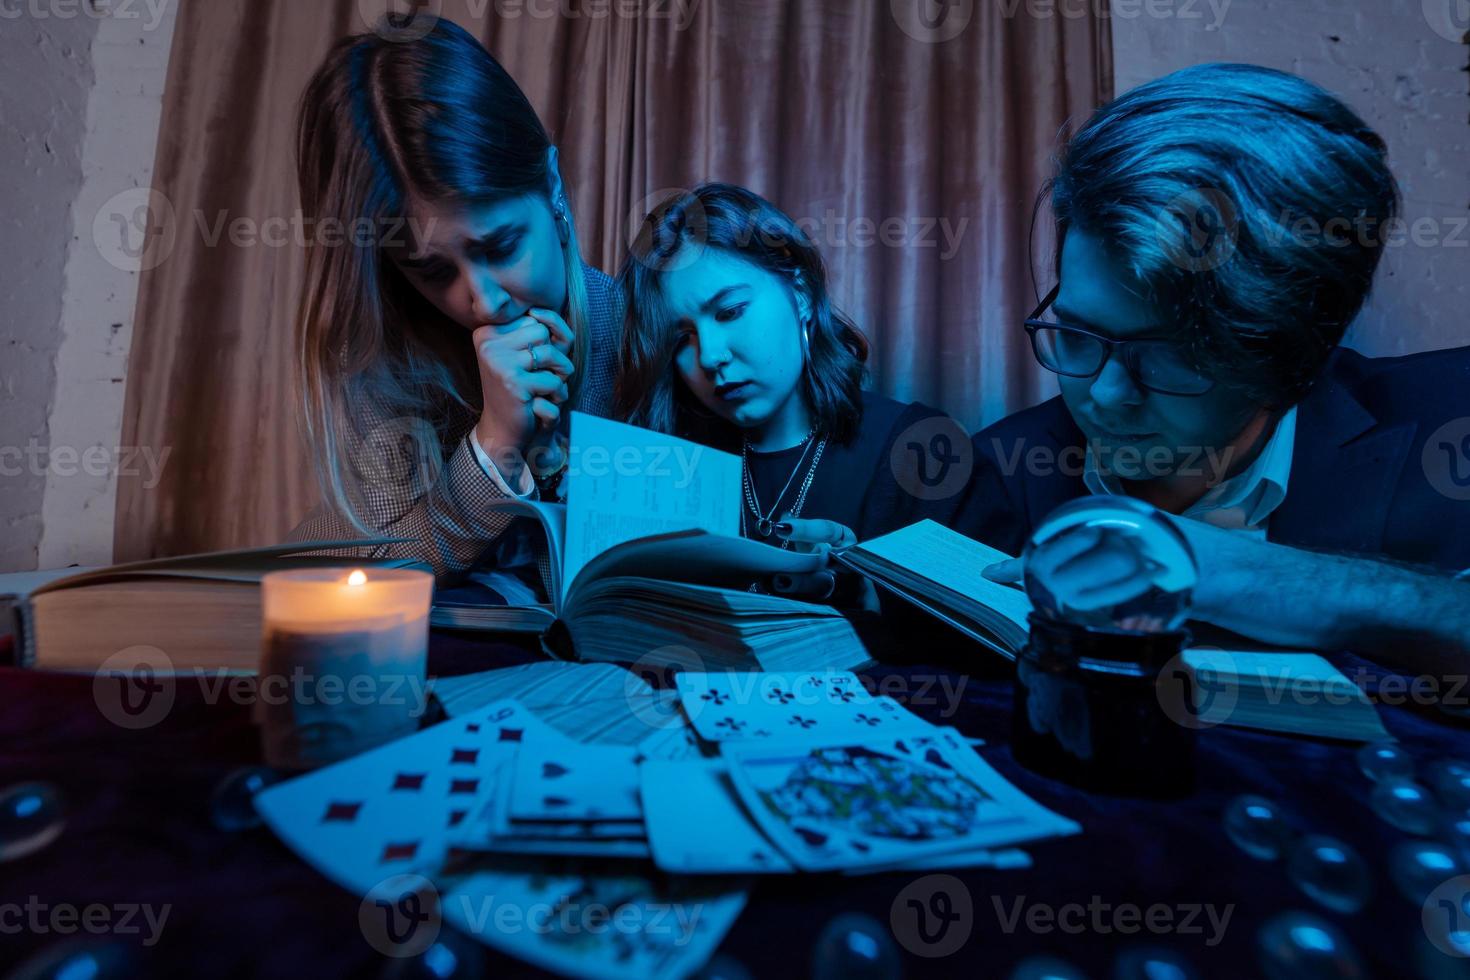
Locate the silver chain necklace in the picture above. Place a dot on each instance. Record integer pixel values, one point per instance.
(765, 524)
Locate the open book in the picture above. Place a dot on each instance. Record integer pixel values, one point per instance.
(202, 611)
(938, 570)
(648, 566)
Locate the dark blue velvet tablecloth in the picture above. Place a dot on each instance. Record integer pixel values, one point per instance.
(242, 905)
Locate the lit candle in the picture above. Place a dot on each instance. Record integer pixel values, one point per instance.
(343, 661)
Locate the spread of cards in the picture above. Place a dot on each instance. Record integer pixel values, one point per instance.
(728, 776)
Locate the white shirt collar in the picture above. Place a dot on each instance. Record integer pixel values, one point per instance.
(1245, 500)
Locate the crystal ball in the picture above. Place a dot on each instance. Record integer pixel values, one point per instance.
(31, 817)
(1255, 825)
(1330, 872)
(1111, 562)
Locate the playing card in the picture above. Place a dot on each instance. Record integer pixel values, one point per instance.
(697, 824)
(881, 802)
(579, 847)
(588, 829)
(543, 684)
(594, 703)
(788, 706)
(394, 809)
(672, 743)
(578, 782)
(1001, 859)
(597, 925)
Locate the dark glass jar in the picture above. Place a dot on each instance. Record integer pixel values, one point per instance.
(1087, 710)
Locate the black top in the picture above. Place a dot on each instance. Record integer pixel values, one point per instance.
(902, 465)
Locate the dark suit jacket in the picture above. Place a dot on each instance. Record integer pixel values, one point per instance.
(1381, 464)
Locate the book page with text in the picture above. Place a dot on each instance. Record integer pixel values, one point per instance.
(624, 482)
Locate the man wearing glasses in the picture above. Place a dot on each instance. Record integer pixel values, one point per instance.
(1219, 229)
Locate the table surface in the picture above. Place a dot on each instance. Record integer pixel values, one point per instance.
(242, 905)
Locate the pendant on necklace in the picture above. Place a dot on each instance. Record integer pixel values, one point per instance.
(764, 527)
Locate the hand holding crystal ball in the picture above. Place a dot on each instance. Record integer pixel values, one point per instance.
(1111, 562)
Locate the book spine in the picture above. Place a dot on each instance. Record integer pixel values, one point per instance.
(22, 628)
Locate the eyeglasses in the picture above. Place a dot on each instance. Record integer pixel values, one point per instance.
(1075, 352)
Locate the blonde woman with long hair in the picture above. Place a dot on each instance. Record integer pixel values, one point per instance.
(446, 334)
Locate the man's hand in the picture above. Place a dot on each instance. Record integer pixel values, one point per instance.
(1289, 597)
(1085, 568)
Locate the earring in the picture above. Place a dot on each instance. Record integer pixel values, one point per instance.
(806, 340)
(563, 223)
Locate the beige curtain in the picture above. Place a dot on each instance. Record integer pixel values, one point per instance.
(913, 162)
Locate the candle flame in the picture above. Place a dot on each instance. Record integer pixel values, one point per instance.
(358, 577)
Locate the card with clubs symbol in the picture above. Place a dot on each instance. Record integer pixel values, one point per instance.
(786, 706)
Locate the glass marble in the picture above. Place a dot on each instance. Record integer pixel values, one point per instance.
(1046, 968)
(232, 807)
(1255, 825)
(31, 817)
(450, 957)
(1330, 872)
(1303, 946)
(1450, 780)
(80, 959)
(1444, 958)
(858, 947)
(1454, 830)
(723, 967)
(1459, 711)
(1381, 761)
(1417, 867)
(1446, 931)
(1126, 530)
(1153, 963)
(1405, 805)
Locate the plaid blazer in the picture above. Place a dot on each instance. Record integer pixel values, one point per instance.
(418, 484)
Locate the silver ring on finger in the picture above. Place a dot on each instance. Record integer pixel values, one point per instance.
(535, 360)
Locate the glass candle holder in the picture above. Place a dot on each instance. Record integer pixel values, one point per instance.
(1087, 710)
(343, 664)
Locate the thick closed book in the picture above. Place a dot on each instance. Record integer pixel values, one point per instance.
(201, 611)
